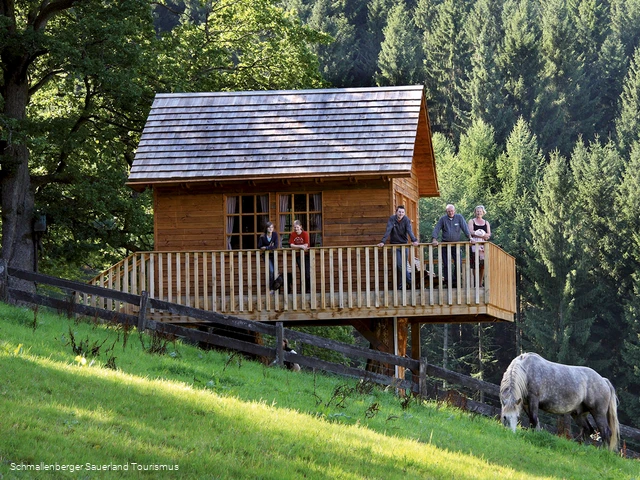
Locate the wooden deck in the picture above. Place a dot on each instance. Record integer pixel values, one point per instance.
(346, 283)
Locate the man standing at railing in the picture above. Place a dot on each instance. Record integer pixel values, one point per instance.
(398, 229)
(451, 225)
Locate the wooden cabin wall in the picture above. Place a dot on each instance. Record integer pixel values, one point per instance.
(355, 216)
(185, 220)
(354, 212)
(405, 191)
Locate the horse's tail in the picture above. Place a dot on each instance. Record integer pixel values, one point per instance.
(612, 418)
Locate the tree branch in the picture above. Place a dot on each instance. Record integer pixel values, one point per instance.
(50, 10)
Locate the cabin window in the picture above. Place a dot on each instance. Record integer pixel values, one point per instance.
(306, 207)
(246, 218)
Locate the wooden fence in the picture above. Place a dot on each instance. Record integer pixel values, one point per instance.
(421, 371)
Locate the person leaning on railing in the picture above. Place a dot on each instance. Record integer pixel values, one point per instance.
(398, 229)
(452, 225)
(300, 239)
(269, 241)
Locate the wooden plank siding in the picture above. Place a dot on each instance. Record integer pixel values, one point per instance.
(188, 219)
(346, 283)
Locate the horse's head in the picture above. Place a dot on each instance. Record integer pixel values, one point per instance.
(511, 410)
(513, 389)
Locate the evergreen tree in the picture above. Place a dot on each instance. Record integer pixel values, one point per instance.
(625, 24)
(552, 117)
(373, 36)
(446, 65)
(627, 204)
(596, 171)
(400, 55)
(336, 57)
(519, 173)
(557, 323)
(485, 86)
(587, 78)
(519, 59)
(628, 121)
(613, 65)
(477, 167)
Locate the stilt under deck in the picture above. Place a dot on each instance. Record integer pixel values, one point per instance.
(347, 284)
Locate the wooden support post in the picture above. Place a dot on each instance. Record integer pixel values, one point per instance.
(415, 348)
(4, 281)
(279, 344)
(142, 314)
(422, 383)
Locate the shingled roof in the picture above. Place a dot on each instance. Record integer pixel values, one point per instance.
(285, 134)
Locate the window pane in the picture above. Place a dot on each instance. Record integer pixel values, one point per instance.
(287, 226)
(316, 221)
(235, 242)
(232, 204)
(315, 239)
(248, 224)
(315, 202)
(247, 204)
(300, 202)
(235, 224)
(262, 204)
(262, 223)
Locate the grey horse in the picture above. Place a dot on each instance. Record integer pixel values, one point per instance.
(533, 383)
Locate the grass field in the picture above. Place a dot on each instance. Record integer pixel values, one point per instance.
(112, 409)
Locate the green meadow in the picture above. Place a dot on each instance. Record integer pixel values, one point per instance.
(85, 400)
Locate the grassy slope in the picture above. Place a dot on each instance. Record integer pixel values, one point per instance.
(216, 416)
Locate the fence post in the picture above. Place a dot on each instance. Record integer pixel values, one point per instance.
(422, 381)
(4, 279)
(279, 344)
(142, 314)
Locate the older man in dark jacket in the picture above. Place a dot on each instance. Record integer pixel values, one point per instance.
(452, 225)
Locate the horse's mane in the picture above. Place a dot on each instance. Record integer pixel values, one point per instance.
(514, 383)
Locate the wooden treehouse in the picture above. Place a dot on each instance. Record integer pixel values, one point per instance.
(339, 160)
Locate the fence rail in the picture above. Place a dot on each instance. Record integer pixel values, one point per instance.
(420, 369)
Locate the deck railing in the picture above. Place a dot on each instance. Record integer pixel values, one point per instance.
(343, 281)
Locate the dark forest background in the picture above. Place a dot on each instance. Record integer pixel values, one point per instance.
(535, 108)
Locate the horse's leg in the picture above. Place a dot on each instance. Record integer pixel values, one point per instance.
(585, 427)
(603, 428)
(533, 412)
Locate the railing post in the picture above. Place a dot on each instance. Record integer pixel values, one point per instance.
(142, 319)
(279, 344)
(4, 279)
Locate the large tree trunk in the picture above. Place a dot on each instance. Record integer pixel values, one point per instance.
(17, 193)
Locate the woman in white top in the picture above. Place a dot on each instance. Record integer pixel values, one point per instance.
(481, 232)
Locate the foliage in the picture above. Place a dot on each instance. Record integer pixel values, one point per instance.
(244, 45)
(92, 73)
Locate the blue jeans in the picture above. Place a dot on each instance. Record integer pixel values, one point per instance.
(399, 266)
